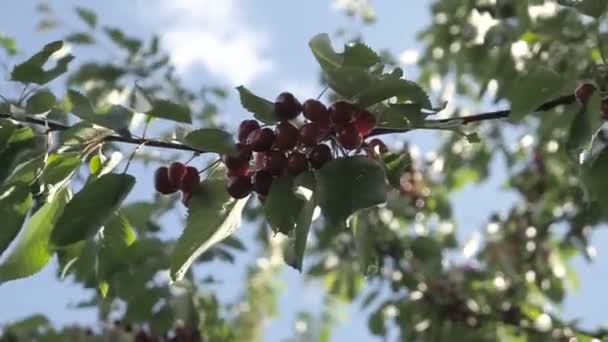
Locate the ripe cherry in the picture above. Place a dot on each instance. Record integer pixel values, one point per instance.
(319, 156)
(274, 162)
(287, 107)
(365, 122)
(239, 186)
(177, 171)
(245, 128)
(378, 146)
(583, 92)
(315, 111)
(297, 163)
(261, 180)
(191, 179)
(236, 165)
(161, 181)
(261, 140)
(349, 136)
(287, 136)
(341, 112)
(604, 108)
(244, 151)
(310, 134)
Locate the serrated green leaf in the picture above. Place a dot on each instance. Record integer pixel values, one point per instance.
(592, 8)
(91, 208)
(119, 38)
(32, 71)
(212, 140)
(60, 166)
(365, 242)
(32, 251)
(395, 165)
(361, 55)
(15, 201)
(166, 109)
(403, 115)
(349, 81)
(532, 89)
(346, 185)
(213, 215)
(87, 15)
(117, 118)
(118, 235)
(26, 172)
(321, 48)
(40, 102)
(387, 87)
(282, 206)
(261, 108)
(306, 186)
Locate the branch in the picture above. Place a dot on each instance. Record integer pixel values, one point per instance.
(465, 120)
(55, 126)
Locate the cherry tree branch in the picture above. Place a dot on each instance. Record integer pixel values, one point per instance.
(495, 115)
(457, 121)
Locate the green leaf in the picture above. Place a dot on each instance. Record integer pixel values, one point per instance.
(592, 8)
(395, 165)
(87, 15)
(91, 208)
(15, 201)
(166, 109)
(26, 172)
(532, 89)
(80, 38)
(585, 124)
(40, 102)
(365, 242)
(361, 55)
(402, 115)
(59, 167)
(321, 48)
(388, 86)
(9, 44)
(117, 118)
(261, 108)
(283, 205)
(119, 38)
(346, 185)
(306, 186)
(32, 71)
(213, 215)
(100, 168)
(32, 251)
(212, 140)
(118, 235)
(81, 134)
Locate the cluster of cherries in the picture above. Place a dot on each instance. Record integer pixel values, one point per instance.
(168, 180)
(267, 152)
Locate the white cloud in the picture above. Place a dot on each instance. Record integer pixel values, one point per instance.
(213, 34)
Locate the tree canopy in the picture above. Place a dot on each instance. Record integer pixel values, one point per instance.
(320, 179)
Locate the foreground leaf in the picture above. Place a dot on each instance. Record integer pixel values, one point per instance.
(91, 208)
(33, 251)
(346, 185)
(14, 205)
(283, 206)
(212, 216)
(40, 102)
(306, 185)
(261, 108)
(166, 109)
(532, 89)
(212, 140)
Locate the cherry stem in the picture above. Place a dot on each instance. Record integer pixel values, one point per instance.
(210, 166)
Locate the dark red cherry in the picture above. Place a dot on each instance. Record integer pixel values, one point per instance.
(245, 128)
(349, 136)
(365, 122)
(191, 179)
(310, 134)
(287, 136)
(261, 140)
(315, 111)
(161, 181)
(177, 171)
(287, 107)
(274, 162)
(239, 186)
(604, 108)
(297, 163)
(378, 146)
(319, 156)
(341, 112)
(584, 92)
(261, 180)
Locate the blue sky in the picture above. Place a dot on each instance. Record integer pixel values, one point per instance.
(262, 44)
